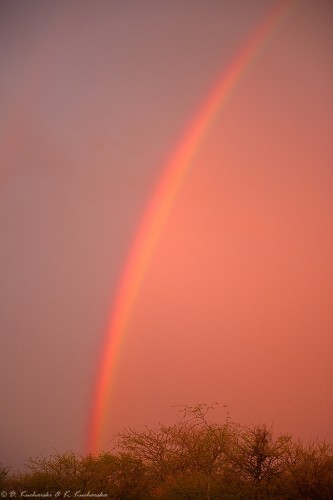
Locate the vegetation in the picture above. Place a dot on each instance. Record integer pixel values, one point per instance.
(192, 459)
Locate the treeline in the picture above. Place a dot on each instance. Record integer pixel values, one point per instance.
(192, 459)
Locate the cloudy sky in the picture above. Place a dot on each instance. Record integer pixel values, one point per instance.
(236, 302)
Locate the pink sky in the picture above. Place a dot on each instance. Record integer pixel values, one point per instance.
(236, 304)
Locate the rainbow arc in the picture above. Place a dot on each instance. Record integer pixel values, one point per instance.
(160, 205)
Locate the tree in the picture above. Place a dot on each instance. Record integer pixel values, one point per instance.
(192, 459)
(3, 476)
(191, 452)
(57, 473)
(62, 475)
(311, 471)
(260, 460)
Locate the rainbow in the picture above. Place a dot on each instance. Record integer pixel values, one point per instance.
(160, 206)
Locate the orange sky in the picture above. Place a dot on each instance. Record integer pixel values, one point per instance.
(236, 304)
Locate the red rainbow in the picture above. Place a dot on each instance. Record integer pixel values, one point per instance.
(160, 206)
